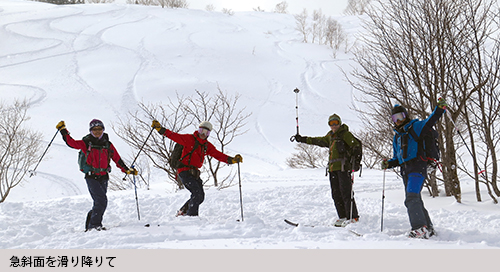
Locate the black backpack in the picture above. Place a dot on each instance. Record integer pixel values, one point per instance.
(175, 157)
(428, 144)
(353, 155)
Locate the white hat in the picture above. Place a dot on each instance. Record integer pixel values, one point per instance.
(206, 124)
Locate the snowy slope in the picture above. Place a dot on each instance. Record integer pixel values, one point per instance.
(80, 62)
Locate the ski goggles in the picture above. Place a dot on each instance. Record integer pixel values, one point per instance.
(334, 122)
(400, 116)
(204, 131)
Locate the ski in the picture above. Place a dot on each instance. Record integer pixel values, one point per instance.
(312, 226)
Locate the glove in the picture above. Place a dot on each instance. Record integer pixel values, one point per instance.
(61, 125)
(300, 139)
(132, 171)
(442, 103)
(156, 125)
(384, 164)
(236, 159)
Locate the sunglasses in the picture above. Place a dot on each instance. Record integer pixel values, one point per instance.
(97, 129)
(400, 116)
(333, 123)
(204, 131)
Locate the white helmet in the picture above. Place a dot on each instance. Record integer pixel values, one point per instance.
(206, 124)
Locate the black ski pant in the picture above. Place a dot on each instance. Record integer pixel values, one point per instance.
(98, 186)
(414, 174)
(195, 186)
(341, 185)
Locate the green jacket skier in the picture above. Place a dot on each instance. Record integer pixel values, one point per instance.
(339, 141)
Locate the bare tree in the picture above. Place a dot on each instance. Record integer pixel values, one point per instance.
(98, 1)
(162, 3)
(227, 11)
(135, 129)
(334, 35)
(210, 7)
(178, 115)
(318, 26)
(20, 147)
(301, 20)
(228, 121)
(355, 7)
(417, 52)
(308, 156)
(281, 7)
(320, 29)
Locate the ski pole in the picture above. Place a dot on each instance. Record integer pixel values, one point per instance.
(481, 172)
(32, 172)
(352, 189)
(383, 198)
(296, 91)
(136, 198)
(241, 200)
(147, 138)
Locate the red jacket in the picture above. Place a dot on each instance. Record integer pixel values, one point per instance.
(188, 141)
(97, 158)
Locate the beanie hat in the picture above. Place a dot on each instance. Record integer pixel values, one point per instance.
(96, 123)
(206, 124)
(335, 117)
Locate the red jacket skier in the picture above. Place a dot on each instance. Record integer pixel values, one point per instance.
(192, 160)
(99, 151)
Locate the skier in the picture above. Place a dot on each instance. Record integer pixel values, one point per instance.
(339, 140)
(98, 152)
(413, 167)
(196, 147)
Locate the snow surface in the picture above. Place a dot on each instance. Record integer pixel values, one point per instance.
(80, 62)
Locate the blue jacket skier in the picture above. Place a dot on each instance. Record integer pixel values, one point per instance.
(413, 168)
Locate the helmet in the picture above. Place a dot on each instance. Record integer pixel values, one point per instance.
(398, 108)
(96, 123)
(206, 124)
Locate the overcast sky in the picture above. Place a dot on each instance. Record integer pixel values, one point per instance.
(329, 7)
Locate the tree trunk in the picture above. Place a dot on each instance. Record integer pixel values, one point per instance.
(450, 175)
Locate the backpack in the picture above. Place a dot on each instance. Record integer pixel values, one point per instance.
(428, 144)
(353, 155)
(82, 157)
(175, 157)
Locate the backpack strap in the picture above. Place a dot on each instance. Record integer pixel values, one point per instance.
(413, 133)
(420, 143)
(190, 154)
